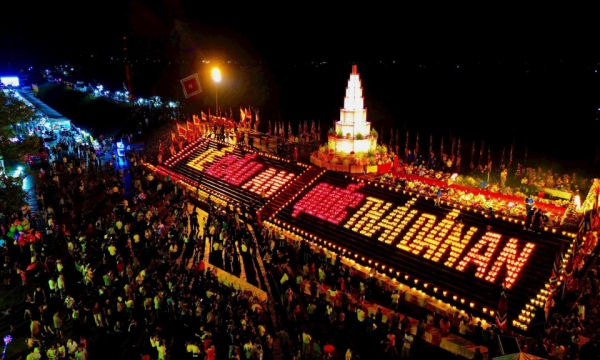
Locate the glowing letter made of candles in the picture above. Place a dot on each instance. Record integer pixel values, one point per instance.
(328, 202)
(513, 260)
(235, 170)
(269, 181)
(457, 242)
(206, 157)
(481, 253)
(414, 239)
(368, 219)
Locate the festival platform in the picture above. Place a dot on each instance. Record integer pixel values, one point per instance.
(459, 264)
(449, 257)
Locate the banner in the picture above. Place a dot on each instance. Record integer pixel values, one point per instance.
(230, 280)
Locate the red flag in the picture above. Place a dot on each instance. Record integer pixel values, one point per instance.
(597, 194)
(256, 119)
(191, 85)
(173, 137)
(242, 115)
(181, 131)
(203, 116)
(248, 114)
(501, 313)
(190, 126)
(196, 120)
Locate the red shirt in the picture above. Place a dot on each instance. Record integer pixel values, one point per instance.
(207, 344)
(210, 354)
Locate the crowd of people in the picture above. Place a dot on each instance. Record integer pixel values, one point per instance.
(120, 270)
(525, 178)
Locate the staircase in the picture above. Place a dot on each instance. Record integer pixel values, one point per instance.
(291, 192)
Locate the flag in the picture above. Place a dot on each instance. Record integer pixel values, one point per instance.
(481, 152)
(579, 242)
(406, 144)
(510, 156)
(230, 114)
(452, 146)
(242, 115)
(319, 131)
(489, 154)
(430, 144)
(173, 137)
(458, 148)
(596, 195)
(416, 146)
(191, 85)
(256, 119)
(555, 272)
(209, 115)
(502, 158)
(501, 313)
(203, 116)
(248, 114)
(569, 269)
(190, 126)
(181, 131)
(269, 132)
(290, 133)
(196, 120)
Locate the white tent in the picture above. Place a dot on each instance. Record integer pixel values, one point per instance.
(518, 356)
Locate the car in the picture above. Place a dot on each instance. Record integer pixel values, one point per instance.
(40, 158)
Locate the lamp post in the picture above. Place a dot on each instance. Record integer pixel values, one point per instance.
(216, 76)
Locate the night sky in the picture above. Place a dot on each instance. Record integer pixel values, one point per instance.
(504, 72)
(285, 30)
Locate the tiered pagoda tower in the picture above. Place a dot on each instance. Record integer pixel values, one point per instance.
(353, 126)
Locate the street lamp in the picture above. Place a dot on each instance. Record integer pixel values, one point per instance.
(216, 76)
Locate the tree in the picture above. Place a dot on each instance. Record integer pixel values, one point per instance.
(12, 112)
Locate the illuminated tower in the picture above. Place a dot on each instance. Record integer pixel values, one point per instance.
(353, 126)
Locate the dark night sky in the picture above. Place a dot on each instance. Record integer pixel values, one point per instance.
(565, 92)
(309, 31)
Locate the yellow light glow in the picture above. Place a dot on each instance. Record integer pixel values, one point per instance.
(216, 75)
